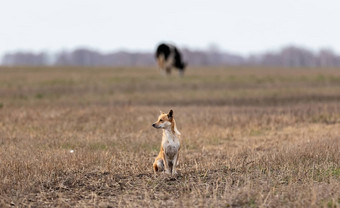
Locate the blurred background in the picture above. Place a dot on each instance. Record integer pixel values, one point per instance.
(258, 106)
(292, 33)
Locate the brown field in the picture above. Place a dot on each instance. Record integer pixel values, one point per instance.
(251, 137)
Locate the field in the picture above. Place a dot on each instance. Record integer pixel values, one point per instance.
(251, 137)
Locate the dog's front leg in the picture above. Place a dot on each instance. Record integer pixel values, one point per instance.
(166, 164)
(174, 172)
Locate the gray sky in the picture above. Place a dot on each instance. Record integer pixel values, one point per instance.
(240, 26)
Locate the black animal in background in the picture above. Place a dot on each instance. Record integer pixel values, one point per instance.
(168, 57)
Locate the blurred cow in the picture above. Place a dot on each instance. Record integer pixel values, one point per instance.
(168, 56)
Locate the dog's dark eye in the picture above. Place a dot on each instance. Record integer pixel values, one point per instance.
(161, 120)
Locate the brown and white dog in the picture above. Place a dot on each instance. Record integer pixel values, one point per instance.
(167, 159)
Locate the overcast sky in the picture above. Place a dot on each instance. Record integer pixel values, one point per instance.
(240, 26)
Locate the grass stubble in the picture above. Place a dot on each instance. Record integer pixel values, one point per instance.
(251, 137)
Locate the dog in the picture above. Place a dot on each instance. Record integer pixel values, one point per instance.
(167, 159)
(168, 56)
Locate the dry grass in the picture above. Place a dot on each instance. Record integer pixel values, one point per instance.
(251, 137)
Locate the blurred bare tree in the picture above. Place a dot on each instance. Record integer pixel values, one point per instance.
(290, 56)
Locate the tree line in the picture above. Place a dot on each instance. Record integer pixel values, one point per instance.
(290, 56)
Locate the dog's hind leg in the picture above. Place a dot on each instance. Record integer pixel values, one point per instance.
(161, 64)
(155, 167)
(168, 70)
(181, 72)
(158, 166)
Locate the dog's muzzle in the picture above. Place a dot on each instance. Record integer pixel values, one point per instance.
(154, 125)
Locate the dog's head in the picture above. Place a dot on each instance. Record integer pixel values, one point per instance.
(164, 120)
(183, 65)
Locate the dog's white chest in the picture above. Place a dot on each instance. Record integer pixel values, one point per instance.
(170, 145)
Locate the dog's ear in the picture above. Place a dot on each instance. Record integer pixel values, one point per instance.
(160, 112)
(170, 114)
